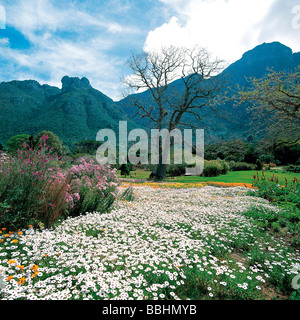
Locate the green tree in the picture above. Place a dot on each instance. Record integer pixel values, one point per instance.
(16, 142)
(53, 141)
(125, 169)
(274, 103)
(86, 146)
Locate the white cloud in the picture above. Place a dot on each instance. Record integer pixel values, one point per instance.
(282, 23)
(4, 42)
(93, 39)
(218, 25)
(58, 58)
(53, 54)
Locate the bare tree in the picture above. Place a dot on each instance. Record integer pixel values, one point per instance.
(196, 86)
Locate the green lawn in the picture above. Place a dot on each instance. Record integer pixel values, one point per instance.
(137, 174)
(240, 177)
(230, 177)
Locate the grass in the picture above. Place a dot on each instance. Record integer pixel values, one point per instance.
(137, 174)
(230, 177)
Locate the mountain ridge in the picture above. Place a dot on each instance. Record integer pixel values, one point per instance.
(253, 63)
(75, 112)
(78, 111)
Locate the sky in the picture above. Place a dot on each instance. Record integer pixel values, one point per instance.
(45, 40)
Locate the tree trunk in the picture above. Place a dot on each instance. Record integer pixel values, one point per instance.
(161, 171)
(161, 167)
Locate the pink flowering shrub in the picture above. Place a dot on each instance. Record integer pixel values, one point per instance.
(92, 187)
(33, 187)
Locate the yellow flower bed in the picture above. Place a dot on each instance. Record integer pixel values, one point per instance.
(177, 185)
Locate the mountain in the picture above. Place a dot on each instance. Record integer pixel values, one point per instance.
(256, 62)
(75, 112)
(234, 122)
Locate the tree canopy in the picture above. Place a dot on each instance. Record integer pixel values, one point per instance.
(274, 102)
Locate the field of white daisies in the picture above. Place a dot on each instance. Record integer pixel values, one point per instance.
(167, 243)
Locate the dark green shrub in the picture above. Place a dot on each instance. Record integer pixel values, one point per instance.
(17, 142)
(125, 169)
(291, 168)
(242, 166)
(176, 170)
(266, 158)
(212, 168)
(53, 142)
(225, 167)
(258, 164)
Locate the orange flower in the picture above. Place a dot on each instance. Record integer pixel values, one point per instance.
(9, 278)
(10, 261)
(15, 241)
(6, 235)
(21, 281)
(30, 226)
(34, 267)
(3, 229)
(20, 267)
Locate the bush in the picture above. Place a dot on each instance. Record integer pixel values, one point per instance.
(28, 193)
(242, 166)
(53, 141)
(225, 167)
(258, 164)
(125, 169)
(212, 168)
(34, 189)
(291, 168)
(266, 158)
(16, 142)
(176, 170)
(91, 188)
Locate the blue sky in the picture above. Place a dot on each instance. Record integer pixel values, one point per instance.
(47, 39)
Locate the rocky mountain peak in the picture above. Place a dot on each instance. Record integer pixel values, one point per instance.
(274, 51)
(74, 84)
